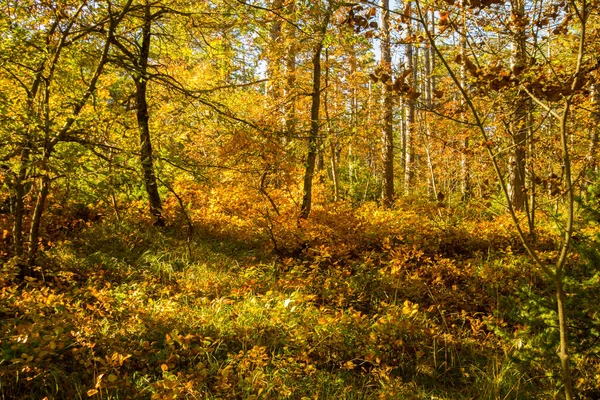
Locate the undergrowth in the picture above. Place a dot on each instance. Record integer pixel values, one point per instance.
(355, 303)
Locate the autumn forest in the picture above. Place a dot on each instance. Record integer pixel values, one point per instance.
(290, 199)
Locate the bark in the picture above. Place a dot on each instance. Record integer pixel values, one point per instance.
(313, 137)
(332, 140)
(429, 88)
(563, 351)
(143, 119)
(334, 173)
(314, 133)
(531, 203)
(36, 220)
(409, 173)
(465, 170)
(592, 157)
(403, 131)
(20, 202)
(388, 115)
(519, 129)
(516, 166)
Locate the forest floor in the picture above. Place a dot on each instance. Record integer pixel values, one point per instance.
(356, 303)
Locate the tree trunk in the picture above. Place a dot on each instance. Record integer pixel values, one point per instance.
(516, 162)
(592, 158)
(332, 140)
(20, 202)
(563, 351)
(334, 173)
(313, 137)
(314, 133)
(409, 172)
(532, 200)
(388, 112)
(143, 119)
(429, 88)
(465, 170)
(36, 220)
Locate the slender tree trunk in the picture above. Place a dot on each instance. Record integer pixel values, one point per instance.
(403, 132)
(320, 157)
(429, 61)
(332, 140)
(314, 133)
(592, 157)
(388, 111)
(313, 137)
(334, 173)
(563, 351)
(36, 220)
(532, 201)
(465, 170)
(519, 129)
(143, 119)
(20, 202)
(409, 172)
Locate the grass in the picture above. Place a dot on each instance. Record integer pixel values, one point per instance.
(130, 311)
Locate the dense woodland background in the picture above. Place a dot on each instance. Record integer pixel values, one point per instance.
(299, 199)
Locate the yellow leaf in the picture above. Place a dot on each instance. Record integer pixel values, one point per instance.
(164, 367)
(112, 378)
(92, 392)
(99, 380)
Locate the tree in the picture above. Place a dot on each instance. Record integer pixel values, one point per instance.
(139, 58)
(388, 112)
(519, 121)
(410, 134)
(47, 116)
(311, 157)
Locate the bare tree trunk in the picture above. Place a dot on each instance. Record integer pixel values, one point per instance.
(592, 157)
(36, 220)
(314, 133)
(313, 137)
(465, 170)
(143, 119)
(409, 172)
(388, 111)
(332, 140)
(519, 129)
(429, 88)
(320, 157)
(403, 132)
(20, 202)
(334, 173)
(563, 351)
(531, 203)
